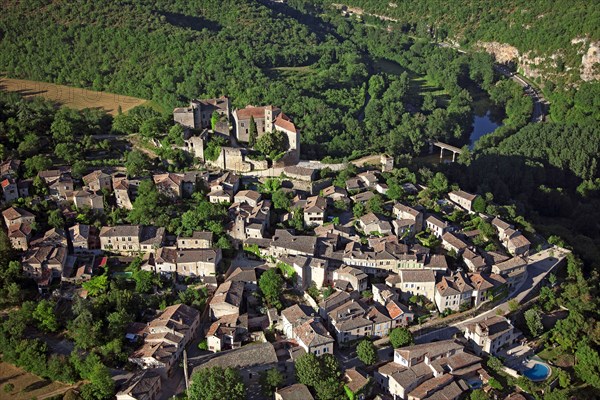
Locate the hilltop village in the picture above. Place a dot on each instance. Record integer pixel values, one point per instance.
(402, 285)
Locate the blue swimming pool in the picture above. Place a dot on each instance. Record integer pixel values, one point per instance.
(538, 372)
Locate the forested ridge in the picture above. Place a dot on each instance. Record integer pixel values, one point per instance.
(542, 27)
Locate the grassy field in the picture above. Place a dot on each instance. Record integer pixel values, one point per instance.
(70, 96)
(26, 385)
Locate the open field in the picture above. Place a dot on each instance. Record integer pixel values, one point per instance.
(26, 385)
(69, 96)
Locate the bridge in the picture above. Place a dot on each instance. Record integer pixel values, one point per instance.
(445, 146)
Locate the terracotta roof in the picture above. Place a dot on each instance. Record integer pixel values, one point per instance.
(250, 111)
(284, 122)
(416, 275)
(312, 333)
(13, 213)
(229, 292)
(141, 385)
(258, 354)
(355, 380)
(464, 195)
(452, 285)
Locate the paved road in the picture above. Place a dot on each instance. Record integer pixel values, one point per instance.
(540, 265)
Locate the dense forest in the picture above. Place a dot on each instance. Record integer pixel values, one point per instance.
(348, 84)
(541, 27)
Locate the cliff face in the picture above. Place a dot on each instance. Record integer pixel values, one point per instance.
(533, 65)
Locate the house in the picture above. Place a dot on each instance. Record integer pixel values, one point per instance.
(44, 262)
(198, 114)
(52, 237)
(145, 385)
(405, 213)
(349, 322)
(197, 240)
(24, 187)
(227, 181)
(436, 226)
(383, 293)
(249, 221)
(381, 188)
(382, 322)
(284, 243)
(387, 163)
(363, 197)
(62, 187)
(226, 300)
(334, 193)
(169, 184)
(128, 239)
(414, 282)
(266, 119)
(97, 181)
(314, 211)
(294, 316)
(453, 243)
(399, 313)
(370, 223)
(84, 238)
(10, 190)
(250, 361)
(357, 383)
(453, 292)
(429, 371)
(473, 261)
(250, 197)
(122, 191)
(228, 332)
(335, 300)
(355, 184)
(369, 178)
(516, 243)
(309, 270)
(168, 335)
(297, 173)
(198, 262)
(514, 270)
(484, 286)
(19, 236)
(220, 196)
(10, 168)
(491, 334)
(312, 336)
(355, 277)
(86, 198)
(297, 391)
(15, 216)
(463, 199)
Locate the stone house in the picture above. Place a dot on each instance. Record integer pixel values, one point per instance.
(453, 243)
(453, 292)
(355, 277)
(463, 199)
(86, 198)
(405, 213)
(19, 236)
(84, 239)
(414, 282)
(199, 113)
(122, 192)
(198, 240)
(131, 239)
(250, 197)
(98, 180)
(226, 300)
(145, 385)
(436, 226)
(15, 216)
(372, 223)
(297, 391)
(315, 208)
(228, 332)
(490, 335)
(10, 190)
(514, 270)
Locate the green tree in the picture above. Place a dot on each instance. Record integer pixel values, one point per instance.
(534, 321)
(375, 204)
(479, 205)
(400, 337)
(97, 285)
(270, 144)
(147, 205)
(37, 163)
(587, 367)
(478, 394)
(217, 383)
(367, 352)
(281, 200)
(308, 369)
(271, 380)
(101, 385)
(55, 219)
(252, 132)
(358, 210)
(271, 284)
(144, 281)
(45, 316)
(85, 330)
(137, 163)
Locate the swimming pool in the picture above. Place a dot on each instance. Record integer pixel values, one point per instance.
(538, 372)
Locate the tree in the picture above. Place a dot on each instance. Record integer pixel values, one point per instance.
(271, 284)
(270, 144)
(97, 285)
(137, 163)
(495, 384)
(281, 201)
(37, 163)
(587, 367)
(478, 394)
(144, 281)
(375, 204)
(534, 321)
(45, 316)
(55, 219)
(439, 184)
(85, 330)
(217, 383)
(146, 207)
(479, 204)
(308, 369)
(367, 352)
(358, 210)
(329, 389)
(252, 132)
(271, 380)
(101, 385)
(400, 337)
